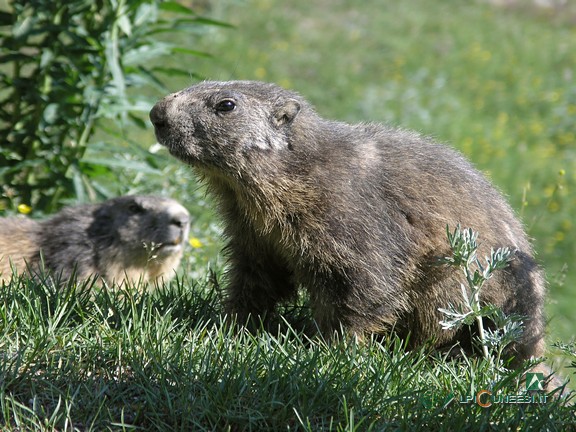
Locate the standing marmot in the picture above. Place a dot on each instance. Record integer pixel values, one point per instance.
(130, 237)
(355, 214)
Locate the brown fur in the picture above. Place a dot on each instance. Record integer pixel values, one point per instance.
(130, 237)
(354, 214)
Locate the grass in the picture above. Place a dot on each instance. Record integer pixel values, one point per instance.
(495, 83)
(80, 358)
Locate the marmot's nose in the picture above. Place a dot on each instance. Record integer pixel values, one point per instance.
(181, 219)
(158, 114)
(178, 226)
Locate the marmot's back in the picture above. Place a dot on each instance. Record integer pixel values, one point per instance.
(19, 239)
(130, 237)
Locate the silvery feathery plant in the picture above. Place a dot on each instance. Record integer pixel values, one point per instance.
(507, 328)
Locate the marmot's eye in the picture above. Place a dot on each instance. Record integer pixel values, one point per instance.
(225, 105)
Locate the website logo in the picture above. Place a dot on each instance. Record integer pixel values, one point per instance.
(534, 381)
(534, 394)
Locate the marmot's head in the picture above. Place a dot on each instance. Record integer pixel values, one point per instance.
(140, 230)
(225, 124)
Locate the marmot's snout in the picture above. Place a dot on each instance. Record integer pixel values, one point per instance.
(164, 116)
(168, 230)
(158, 116)
(179, 222)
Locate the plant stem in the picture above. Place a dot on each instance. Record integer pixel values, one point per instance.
(481, 333)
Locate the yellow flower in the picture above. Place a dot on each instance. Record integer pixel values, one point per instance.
(195, 243)
(24, 209)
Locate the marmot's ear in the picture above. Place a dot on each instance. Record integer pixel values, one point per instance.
(285, 111)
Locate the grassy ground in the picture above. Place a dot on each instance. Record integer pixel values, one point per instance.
(496, 83)
(79, 358)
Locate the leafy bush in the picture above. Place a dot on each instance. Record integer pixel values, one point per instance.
(67, 65)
